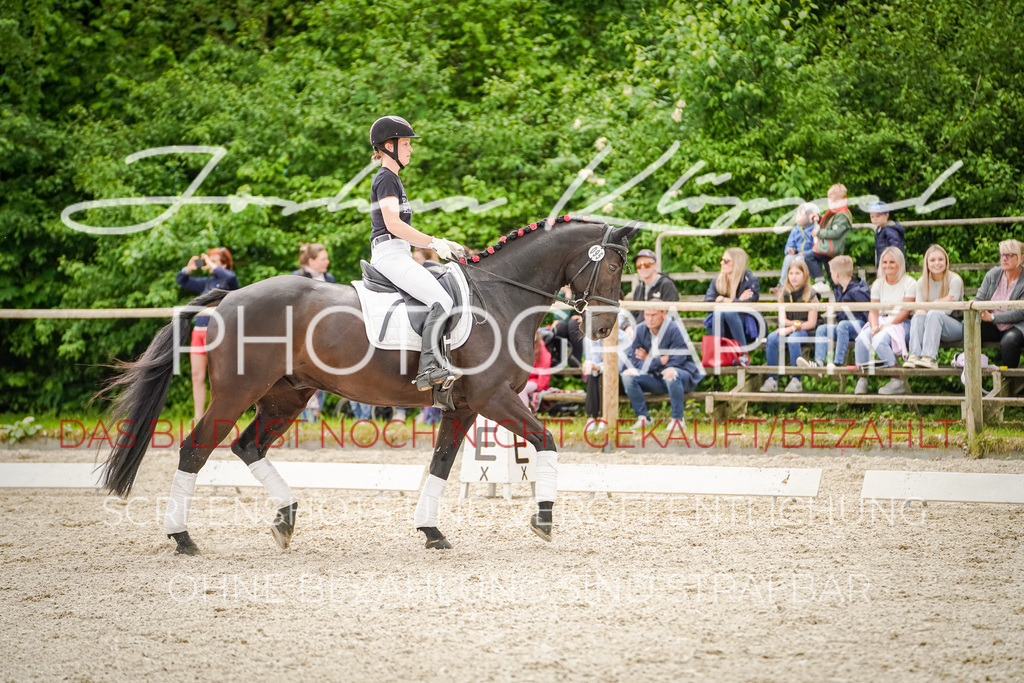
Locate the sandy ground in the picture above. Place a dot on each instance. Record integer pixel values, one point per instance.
(655, 587)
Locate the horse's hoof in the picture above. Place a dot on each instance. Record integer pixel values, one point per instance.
(186, 546)
(284, 526)
(435, 539)
(542, 529)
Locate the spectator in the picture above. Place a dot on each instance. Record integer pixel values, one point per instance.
(1003, 283)
(540, 377)
(848, 290)
(660, 360)
(887, 332)
(888, 233)
(652, 285)
(930, 328)
(794, 326)
(219, 264)
(593, 366)
(735, 282)
(313, 262)
(830, 234)
(800, 244)
(564, 335)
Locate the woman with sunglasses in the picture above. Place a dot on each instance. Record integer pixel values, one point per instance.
(1004, 283)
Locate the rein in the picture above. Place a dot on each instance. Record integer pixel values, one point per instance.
(579, 304)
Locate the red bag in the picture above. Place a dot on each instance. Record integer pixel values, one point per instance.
(718, 352)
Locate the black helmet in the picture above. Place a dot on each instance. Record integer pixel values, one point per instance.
(389, 128)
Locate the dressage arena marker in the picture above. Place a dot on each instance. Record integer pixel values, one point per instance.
(948, 487)
(497, 457)
(318, 475)
(51, 475)
(693, 480)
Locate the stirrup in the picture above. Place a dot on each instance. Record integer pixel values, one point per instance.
(436, 375)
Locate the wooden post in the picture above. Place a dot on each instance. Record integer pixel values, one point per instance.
(973, 414)
(610, 381)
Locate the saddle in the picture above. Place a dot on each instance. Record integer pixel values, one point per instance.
(375, 281)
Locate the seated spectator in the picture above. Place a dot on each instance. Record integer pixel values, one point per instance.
(540, 377)
(800, 243)
(930, 328)
(313, 262)
(794, 326)
(652, 284)
(848, 290)
(660, 360)
(1003, 283)
(888, 233)
(830, 234)
(564, 336)
(593, 367)
(735, 282)
(887, 332)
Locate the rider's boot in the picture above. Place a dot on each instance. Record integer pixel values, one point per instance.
(433, 366)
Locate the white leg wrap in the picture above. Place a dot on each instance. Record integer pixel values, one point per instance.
(183, 486)
(280, 493)
(430, 501)
(547, 476)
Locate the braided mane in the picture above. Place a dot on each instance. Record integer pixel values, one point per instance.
(516, 234)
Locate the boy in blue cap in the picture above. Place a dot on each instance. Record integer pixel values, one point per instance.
(888, 233)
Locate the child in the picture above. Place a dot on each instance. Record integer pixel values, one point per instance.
(888, 233)
(794, 326)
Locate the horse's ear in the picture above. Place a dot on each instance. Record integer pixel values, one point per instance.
(626, 233)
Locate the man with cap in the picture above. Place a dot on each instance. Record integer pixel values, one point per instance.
(652, 285)
(888, 233)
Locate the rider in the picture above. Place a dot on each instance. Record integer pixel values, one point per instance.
(393, 235)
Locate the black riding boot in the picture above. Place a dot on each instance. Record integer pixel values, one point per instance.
(433, 368)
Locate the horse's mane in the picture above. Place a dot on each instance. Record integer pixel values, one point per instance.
(521, 232)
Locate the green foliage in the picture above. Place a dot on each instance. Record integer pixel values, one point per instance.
(513, 99)
(21, 429)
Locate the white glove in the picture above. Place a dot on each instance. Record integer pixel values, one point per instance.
(447, 249)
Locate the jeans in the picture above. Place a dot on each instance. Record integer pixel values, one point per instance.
(929, 330)
(793, 341)
(815, 264)
(733, 322)
(676, 389)
(1010, 343)
(842, 332)
(880, 342)
(361, 411)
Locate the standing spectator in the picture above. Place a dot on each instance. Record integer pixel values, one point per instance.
(1004, 283)
(794, 326)
(313, 262)
(888, 233)
(830, 234)
(660, 360)
(848, 290)
(928, 329)
(652, 284)
(800, 244)
(735, 282)
(219, 264)
(887, 331)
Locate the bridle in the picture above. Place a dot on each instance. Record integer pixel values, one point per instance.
(579, 304)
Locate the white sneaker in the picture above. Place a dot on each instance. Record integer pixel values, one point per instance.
(862, 386)
(594, 425)
(642, 421)
(893, 386)
(795, 386)
(911, 362)
(677, 427)
(926, 363)
(804, 363)
(770, 384)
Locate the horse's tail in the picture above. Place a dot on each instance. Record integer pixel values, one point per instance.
(137, 407)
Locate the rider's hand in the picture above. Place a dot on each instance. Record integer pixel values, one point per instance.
(447, 249)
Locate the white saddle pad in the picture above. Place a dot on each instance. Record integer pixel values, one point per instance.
(399, 333)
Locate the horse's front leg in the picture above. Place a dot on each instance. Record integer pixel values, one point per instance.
(454, 427)
(508, 411)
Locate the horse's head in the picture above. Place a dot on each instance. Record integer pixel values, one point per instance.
(595, 276)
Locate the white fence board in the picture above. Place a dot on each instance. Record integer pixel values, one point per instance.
(953, 487)
(319, 475)
(691, 480)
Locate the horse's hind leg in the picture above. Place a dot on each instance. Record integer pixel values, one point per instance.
(453, 430)
(275, 412)
(213, 427)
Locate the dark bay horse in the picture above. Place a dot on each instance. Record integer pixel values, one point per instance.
(283, 338)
